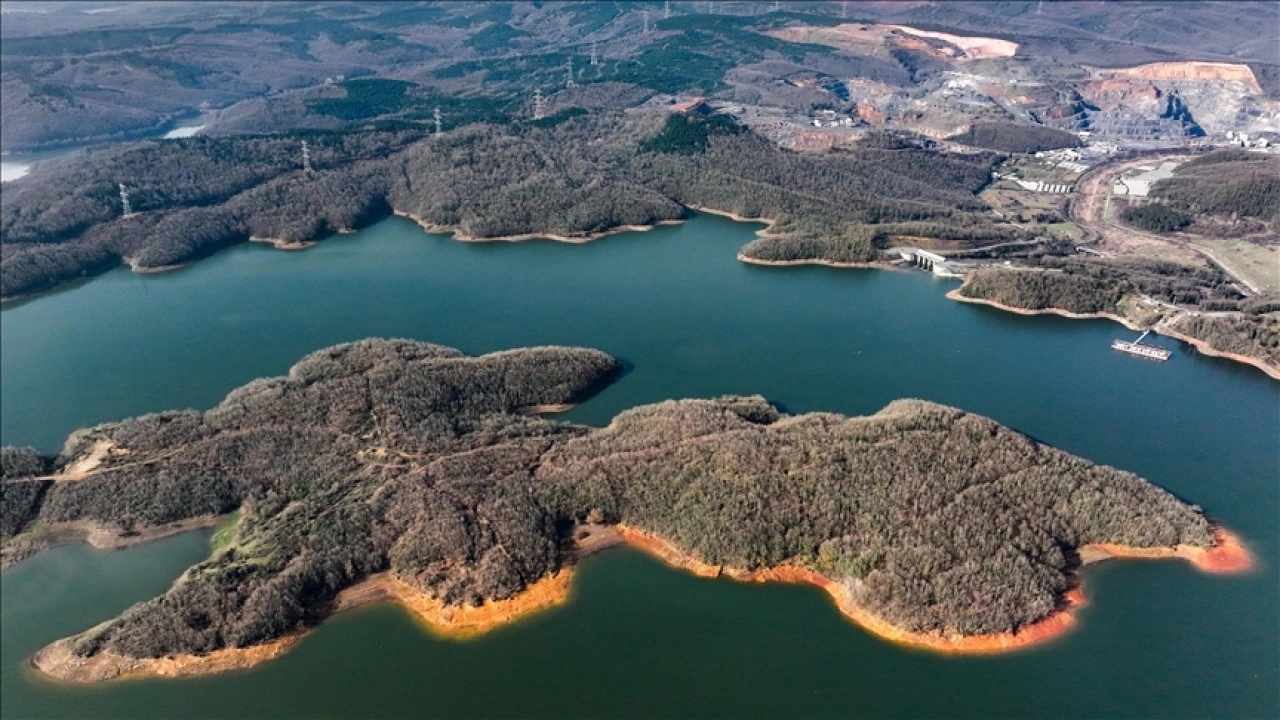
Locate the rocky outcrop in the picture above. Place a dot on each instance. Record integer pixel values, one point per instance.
(1191, 72)
(872, 39)
(971, 47)
(1215, 97)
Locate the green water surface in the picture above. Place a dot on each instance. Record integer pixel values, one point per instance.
(1157, 639)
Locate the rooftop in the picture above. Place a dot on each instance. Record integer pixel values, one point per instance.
(1164, 172)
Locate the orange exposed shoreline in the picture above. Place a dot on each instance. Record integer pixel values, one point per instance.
(458, 621)
(955, 295)
(281, 244)
(1042, 631)
(768, 222)
(56, 660)
(816, 261)
(152, 269)
(97, 536)
(571, 239)
(547, 409)
(1228, 555)
(1207, 349)
(1200, 345)
(766, 231)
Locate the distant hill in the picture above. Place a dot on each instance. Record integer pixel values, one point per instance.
(74, 77)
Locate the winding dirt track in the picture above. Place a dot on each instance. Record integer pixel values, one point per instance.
(1089, 210)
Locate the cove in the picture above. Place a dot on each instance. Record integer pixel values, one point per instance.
(1157, 639)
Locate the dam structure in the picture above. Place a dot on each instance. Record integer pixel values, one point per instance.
(933, 262)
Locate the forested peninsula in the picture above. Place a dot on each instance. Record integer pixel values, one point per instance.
(1223, 194)
(1083, 288)
(399, 469)
(573, 175)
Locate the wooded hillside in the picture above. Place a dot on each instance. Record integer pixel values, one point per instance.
(1233, 182)
(1089, 285)
(575, 174)
(1016, 137)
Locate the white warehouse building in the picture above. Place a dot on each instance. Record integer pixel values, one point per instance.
(1140, 185)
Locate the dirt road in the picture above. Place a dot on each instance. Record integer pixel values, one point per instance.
(1089, 210)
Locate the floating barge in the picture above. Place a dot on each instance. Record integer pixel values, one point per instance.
(1141, 349)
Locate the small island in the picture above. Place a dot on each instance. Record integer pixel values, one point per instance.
(393, 469)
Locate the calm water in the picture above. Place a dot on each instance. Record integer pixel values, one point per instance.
(17, 165)
(639, 640)
(13, 167)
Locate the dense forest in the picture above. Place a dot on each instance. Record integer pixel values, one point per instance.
(1155, 218)
(1256, 336)
(573, 173)
(1091, 285)
(1016, 137)
(402, 456)
(1229, 182)
(1096, 285)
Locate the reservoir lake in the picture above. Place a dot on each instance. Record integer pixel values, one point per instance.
(637, 639)
(14, 166)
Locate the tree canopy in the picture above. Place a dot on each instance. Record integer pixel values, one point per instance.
(386, 455)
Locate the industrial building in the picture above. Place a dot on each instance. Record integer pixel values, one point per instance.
(1140, 184)
(1041, 186)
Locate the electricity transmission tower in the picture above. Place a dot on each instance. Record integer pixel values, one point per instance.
(568, 70)
(537, 104)
(124, 202)
(439, 124)
(306, 158)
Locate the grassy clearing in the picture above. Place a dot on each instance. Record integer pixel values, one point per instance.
(1011, 198)
(1031, 169)
(1260, 264)
(35, 532)
(224, 533)
(1068, 230)
(1141, 313)
(1013, 202)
